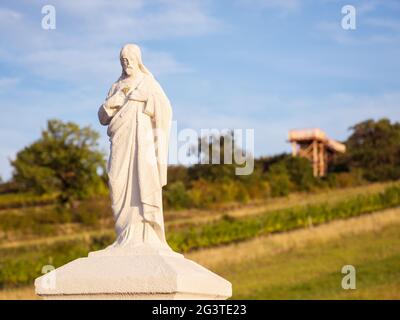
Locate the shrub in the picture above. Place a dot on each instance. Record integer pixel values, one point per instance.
(176, 196)
(278, 178)
(347, 179)
(17, 200)
(300, 173)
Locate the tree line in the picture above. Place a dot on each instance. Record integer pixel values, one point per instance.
(66, 161)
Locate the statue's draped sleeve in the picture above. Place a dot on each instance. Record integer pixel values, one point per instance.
(159, 106)
(105, 114)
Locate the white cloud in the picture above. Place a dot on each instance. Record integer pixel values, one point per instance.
(283, 5)
(7, 82)
(90, 7)
(390, 24)
(334, 32)
(8, 15)
(163, 63)
(104, 20)
(80, 65)
(75, 64)
(89, 45)
(174, 19)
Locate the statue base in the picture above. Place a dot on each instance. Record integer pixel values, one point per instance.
(141, 272)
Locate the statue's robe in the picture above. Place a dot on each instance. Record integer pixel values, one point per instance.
(137, 167)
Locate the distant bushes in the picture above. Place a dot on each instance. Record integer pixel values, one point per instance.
(46, 220)
(205, 194)
(206, 186)
(278, 178)
(176, 196)
(272, 177)
(346, 179)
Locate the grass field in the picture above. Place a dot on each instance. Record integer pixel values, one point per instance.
(306, 263)
(267, 250)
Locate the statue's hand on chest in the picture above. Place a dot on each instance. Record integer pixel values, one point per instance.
(117, 100)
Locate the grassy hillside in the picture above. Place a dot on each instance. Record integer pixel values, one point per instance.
(306, 264)
(30, 224)
(22, 254)
(20, 265)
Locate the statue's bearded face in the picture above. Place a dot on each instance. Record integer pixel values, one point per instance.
(128, 64)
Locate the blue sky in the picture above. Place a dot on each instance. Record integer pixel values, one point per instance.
(270, 65)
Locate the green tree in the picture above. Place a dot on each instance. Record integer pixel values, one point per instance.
(64, 160)
(374, 147)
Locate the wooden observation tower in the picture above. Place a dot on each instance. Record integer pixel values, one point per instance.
(314, 145)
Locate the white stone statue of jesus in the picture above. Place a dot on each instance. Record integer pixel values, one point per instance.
(139, 264)
(138, 115)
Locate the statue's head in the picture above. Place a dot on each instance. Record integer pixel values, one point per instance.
(131, 60)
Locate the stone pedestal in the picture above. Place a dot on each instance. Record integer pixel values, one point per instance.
(141, 272)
